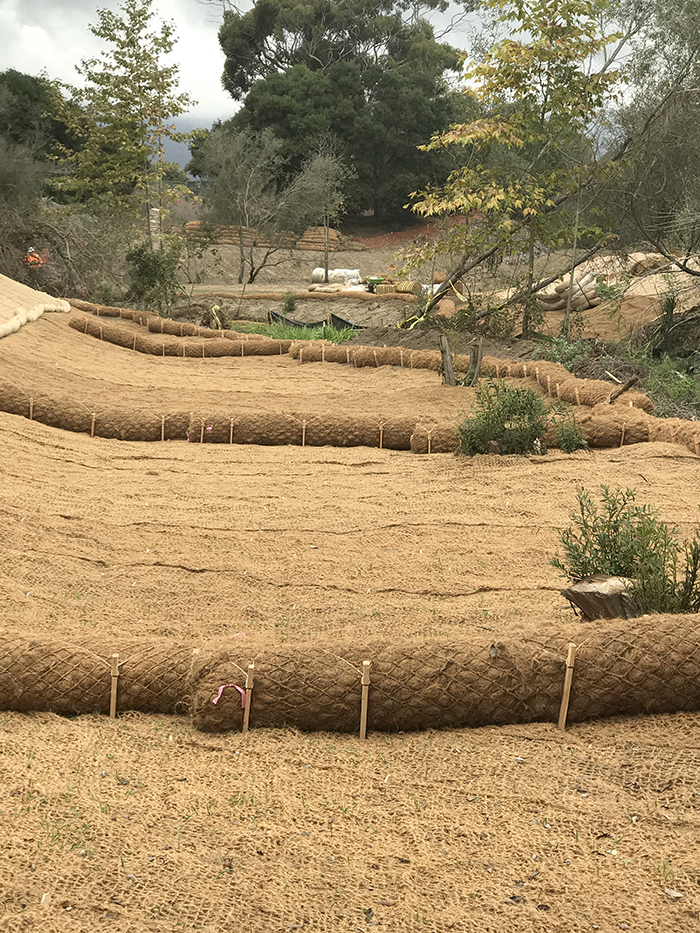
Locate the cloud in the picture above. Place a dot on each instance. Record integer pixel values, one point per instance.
(54, 36)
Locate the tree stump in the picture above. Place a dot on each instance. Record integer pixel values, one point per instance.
(602, 597)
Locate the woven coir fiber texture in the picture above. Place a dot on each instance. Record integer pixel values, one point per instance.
(302, 428)
(647, 665)
(639, 666)
(76, 678)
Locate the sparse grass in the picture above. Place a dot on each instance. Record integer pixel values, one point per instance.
(287, 332)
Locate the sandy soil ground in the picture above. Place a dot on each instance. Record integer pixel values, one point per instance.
(144, 825)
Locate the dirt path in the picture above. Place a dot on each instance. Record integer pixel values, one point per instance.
(145, 825)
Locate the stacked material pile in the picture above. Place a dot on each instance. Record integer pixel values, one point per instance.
(235, 236)
(584, 294)
(311, 239)
(315, 239)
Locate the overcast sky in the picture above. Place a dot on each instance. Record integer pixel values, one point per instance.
(54, 35)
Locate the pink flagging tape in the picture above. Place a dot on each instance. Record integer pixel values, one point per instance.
(216, 699)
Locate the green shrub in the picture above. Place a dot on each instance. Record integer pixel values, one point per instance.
(570, 435)
(289, 303)
(564, 351)
(153, 274)
(515, 418)
(623, 539)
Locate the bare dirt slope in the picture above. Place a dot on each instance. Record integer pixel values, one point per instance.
(613, 319)
(144, 825)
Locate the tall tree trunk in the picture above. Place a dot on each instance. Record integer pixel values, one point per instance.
(530, 277)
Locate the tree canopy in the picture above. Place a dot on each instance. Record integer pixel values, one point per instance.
(245, 186)
(542, 86)
(368, 72)
(130, 98)
(654, 198)
(33, 114)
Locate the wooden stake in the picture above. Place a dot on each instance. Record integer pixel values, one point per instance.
(365, 699)
(92, 427)
(162, 427)
(376, 363)
(248, 694)
(31, 413)
(549, 385)
(622, 435)
(578, 396)
(566, 695)
(303, 433)
(230, 439)
(448, 372)
(537, 374)
(201, 433)
(115, 684)
(134, 345)
(163, 349)
(524, 369)
(381, 434)
(558, 387)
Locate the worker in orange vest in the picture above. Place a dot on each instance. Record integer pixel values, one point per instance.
(33, 259)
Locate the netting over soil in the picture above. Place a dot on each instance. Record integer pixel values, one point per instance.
(139, 826)
(604, 425)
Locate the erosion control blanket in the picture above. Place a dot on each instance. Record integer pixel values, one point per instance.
(647, 665)
(20, 304)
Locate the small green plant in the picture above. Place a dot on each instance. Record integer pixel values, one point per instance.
(563, 350)
(289, 303)
(514, 418)
(621, 538)
(570, 436)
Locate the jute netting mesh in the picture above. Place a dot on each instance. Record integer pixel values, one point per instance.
(307, 561)
(139, 825)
